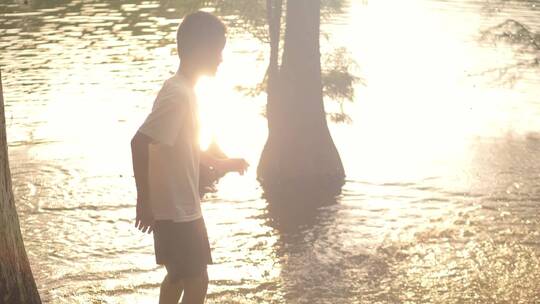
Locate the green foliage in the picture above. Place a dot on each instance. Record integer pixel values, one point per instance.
(330, 8)
(526, 45)
(512, 32)
(244, 16)
(339, 80)
(337, 76)
(255, 91)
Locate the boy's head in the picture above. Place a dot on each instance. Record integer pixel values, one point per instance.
(200, 40)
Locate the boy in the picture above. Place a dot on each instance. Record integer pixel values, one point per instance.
(166, 161)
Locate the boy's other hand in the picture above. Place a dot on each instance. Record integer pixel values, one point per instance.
(144, 220)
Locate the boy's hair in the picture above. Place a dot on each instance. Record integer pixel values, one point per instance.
(198, 30)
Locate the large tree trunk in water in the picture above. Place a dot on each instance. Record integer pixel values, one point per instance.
(17, 283)
(299, 155)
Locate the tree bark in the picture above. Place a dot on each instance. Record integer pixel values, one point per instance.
(299, 154)
(17, 283)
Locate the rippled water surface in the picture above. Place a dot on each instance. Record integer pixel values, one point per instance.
(442, 198)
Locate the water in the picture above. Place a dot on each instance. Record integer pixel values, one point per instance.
(442, 157)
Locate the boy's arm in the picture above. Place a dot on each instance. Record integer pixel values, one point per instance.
(139, 151)
(208, 160)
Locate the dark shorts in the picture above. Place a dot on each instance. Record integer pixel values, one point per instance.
(182, 247)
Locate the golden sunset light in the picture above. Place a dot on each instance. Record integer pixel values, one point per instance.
(270, 151)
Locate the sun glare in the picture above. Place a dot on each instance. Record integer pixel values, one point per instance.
(226, 116)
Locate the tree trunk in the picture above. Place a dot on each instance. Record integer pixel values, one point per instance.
(274, 11)
(17, 283)
(299, 155)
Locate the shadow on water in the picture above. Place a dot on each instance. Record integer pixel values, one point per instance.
(294, 212)
(316, 267)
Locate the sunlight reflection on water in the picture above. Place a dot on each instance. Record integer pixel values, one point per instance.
(443, 165)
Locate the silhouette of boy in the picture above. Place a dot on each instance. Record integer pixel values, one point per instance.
(166, 158)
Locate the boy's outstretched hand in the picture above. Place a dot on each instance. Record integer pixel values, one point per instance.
(239, 165)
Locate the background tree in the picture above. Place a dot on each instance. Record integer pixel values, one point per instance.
(299, 155)
(17, 283)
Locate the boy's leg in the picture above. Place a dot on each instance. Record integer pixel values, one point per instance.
(195, 289)
(170, 292)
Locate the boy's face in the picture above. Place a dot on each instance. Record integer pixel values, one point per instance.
(210, 58)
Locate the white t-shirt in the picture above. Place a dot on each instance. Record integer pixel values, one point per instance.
(173, 165)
